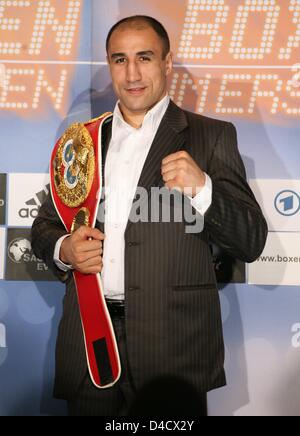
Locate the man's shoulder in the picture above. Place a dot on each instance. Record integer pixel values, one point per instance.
(106, 117)
(94, 122)
(195, 119)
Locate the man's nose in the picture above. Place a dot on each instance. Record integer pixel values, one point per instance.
(133, 72)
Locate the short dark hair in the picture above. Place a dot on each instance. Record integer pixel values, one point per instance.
(149, 21)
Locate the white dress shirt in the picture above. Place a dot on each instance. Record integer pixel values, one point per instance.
(127, 152)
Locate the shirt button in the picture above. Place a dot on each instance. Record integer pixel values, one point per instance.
(112, 260)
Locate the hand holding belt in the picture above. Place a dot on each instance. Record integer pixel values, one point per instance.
(76, 184)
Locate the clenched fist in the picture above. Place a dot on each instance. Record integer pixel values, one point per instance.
(83, 250)
(179, 170)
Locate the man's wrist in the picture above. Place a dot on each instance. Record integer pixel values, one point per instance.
(59, 262)
(62, 256)
(202, 201)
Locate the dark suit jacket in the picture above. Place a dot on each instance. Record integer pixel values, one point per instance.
(173, 319)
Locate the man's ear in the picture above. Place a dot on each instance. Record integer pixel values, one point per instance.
(169, 63)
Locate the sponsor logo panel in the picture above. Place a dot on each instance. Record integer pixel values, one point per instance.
(3, 178)
(280, 201)
(26, 194)
(21, 262)
(2, 252)
(279, 263)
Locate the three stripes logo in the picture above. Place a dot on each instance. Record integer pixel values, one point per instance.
(33, 205)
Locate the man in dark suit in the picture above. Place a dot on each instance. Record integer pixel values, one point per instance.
(158, 276)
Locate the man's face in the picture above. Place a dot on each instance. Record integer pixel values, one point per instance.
(138, 70)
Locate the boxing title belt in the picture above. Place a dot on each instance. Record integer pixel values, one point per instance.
(76, 187)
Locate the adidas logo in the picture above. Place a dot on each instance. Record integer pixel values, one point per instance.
(34, 204)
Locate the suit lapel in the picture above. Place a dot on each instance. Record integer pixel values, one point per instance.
(170, 138)
(105, 140)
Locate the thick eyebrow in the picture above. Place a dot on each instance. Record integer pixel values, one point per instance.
(117, 55)
(140, 53)
(145, 53)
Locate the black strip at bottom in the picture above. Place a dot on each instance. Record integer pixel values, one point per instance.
(103, 362)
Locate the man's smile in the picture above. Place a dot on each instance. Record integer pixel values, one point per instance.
(135, 91)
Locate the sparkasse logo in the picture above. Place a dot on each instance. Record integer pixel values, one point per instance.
(19, 250)
(21, 262)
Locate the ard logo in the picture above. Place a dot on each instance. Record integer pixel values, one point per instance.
(287, 203)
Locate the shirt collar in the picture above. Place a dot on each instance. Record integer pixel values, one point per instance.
(152, 118)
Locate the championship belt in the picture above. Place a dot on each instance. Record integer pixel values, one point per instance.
(76, 186)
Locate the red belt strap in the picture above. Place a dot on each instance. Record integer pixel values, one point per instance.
(76, 186)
